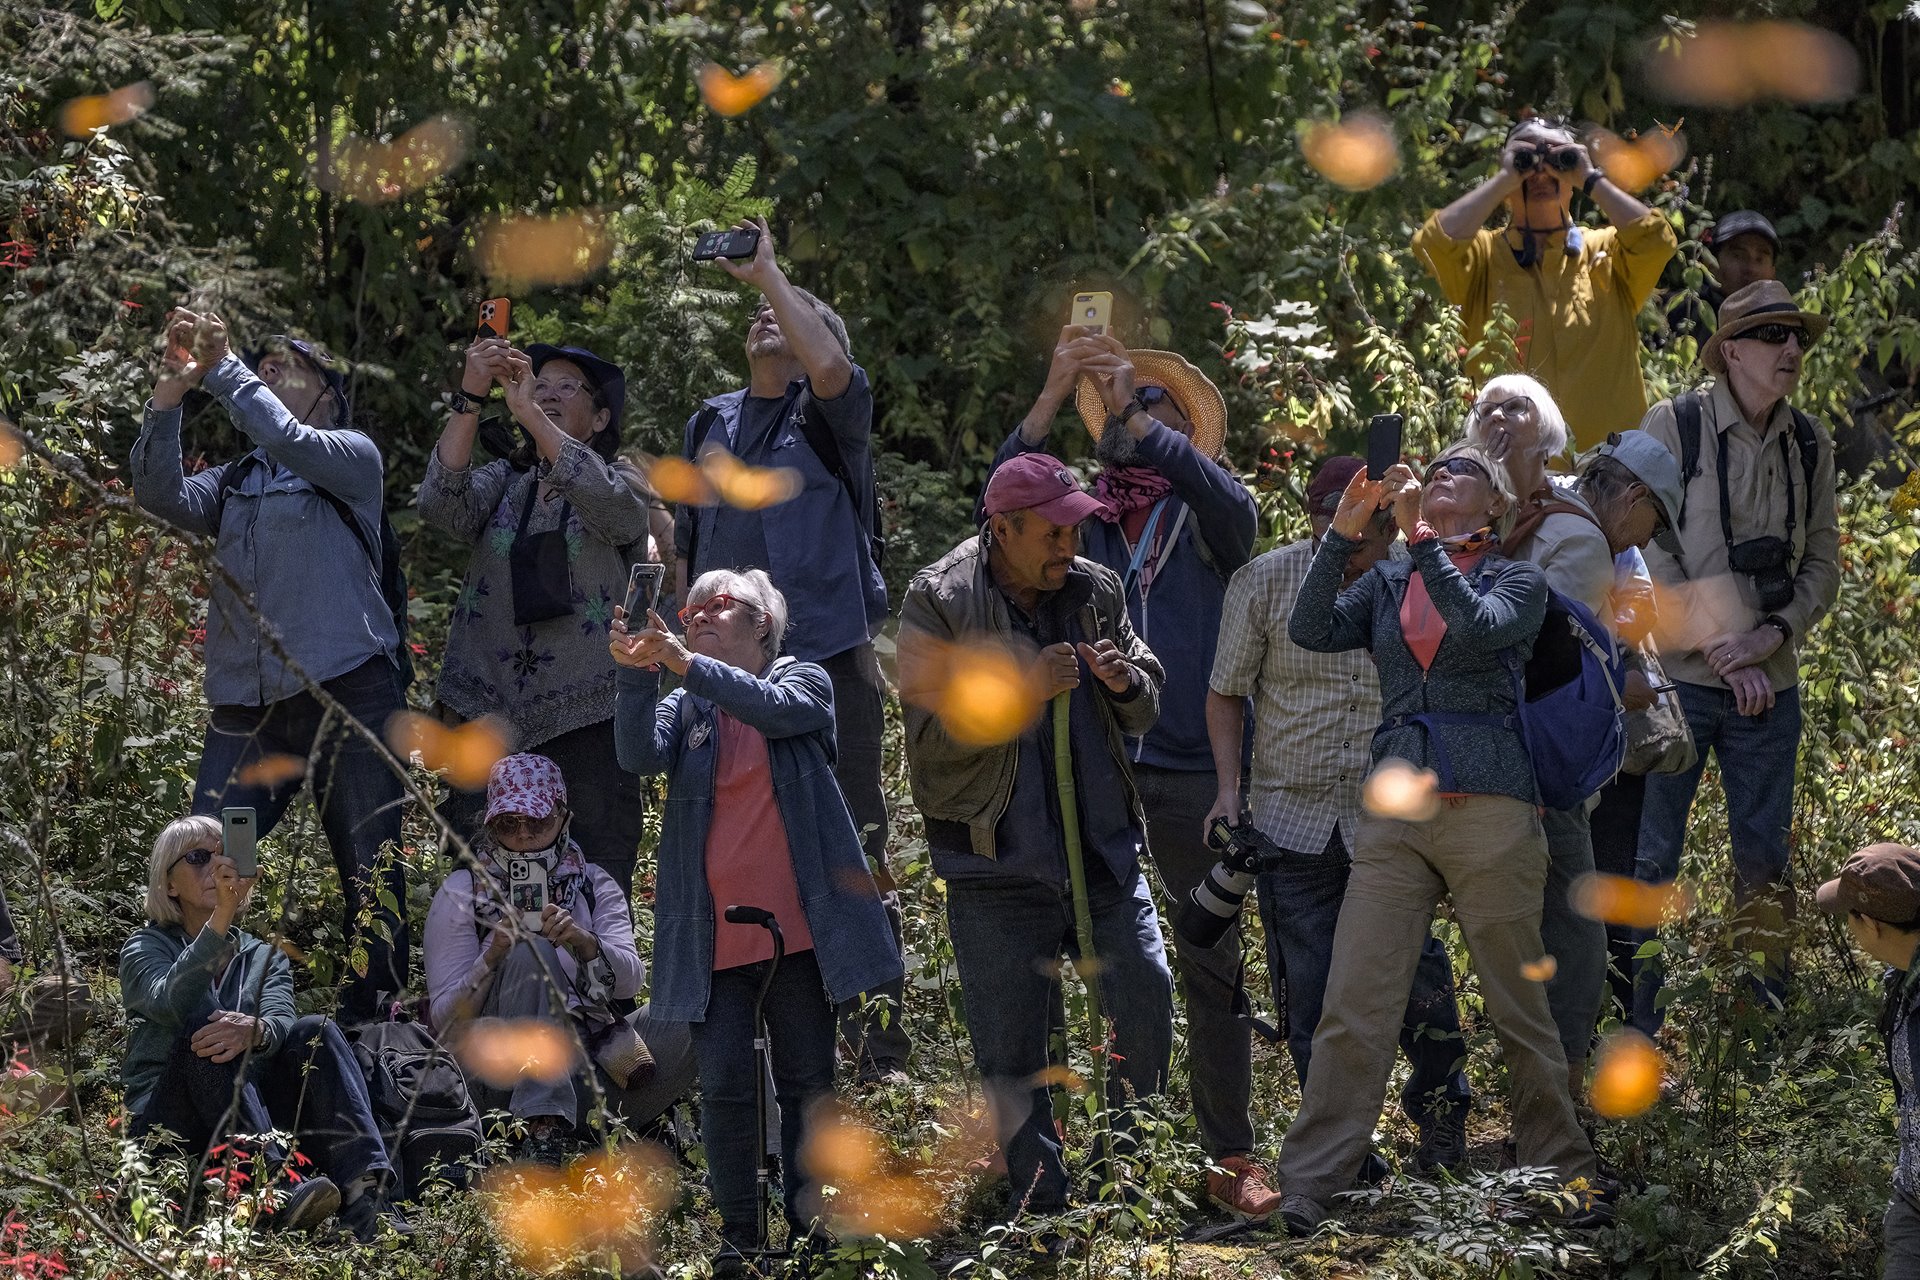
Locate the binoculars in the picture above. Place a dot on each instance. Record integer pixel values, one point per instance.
(1564, 159)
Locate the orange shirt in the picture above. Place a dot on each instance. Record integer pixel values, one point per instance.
(748, 862)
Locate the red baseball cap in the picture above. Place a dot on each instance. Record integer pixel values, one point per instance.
(1329, 482)
(1040, 483)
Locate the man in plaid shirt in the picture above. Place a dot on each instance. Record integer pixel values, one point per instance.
(1313, 716)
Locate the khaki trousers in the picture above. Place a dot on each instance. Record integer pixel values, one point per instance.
(1489, 855)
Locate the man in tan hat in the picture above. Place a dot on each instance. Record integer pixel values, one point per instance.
(1757, 568)
(1878, 891)
(1175, 524)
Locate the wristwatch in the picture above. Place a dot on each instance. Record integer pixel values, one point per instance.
(1779, 624)
(464, 403)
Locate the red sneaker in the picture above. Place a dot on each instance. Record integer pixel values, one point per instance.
(1243, 1189)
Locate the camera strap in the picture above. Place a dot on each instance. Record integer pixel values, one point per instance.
(1726, 505)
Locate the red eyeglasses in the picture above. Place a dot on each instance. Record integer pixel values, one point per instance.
(713, 604)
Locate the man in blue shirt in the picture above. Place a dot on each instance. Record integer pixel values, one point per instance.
(297, 530)
(1175, 524)
(818, 547)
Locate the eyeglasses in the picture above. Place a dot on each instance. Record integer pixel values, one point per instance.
(518, 824)
(1776, 335)
(713, 604)
(1512, 407)
(193, 858)
(565, 388)
(1458, 467)
(1660, 522)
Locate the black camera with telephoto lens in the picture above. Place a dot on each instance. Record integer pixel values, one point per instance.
(1203, 917)
(1768, 564)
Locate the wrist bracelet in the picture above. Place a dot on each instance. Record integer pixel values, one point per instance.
(1593, 179)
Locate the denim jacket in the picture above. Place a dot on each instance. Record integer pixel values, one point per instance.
(1469, 676)
(676, 735)
(296, 561)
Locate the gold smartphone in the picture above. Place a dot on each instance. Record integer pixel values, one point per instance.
(1094, 310)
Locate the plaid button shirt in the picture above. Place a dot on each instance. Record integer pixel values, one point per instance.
(1313, 713)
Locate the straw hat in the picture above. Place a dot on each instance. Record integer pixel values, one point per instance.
(1763, 302)
(1197, 397)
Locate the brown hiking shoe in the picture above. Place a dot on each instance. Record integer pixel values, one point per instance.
(1243, 1189)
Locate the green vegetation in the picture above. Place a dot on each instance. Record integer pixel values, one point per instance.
(946, 174)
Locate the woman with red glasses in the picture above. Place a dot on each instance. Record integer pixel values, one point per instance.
(214, 1047)
(753, 818)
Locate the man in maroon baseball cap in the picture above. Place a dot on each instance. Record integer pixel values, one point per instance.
(993, 802)
(1878, 891)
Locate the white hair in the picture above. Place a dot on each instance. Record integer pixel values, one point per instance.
(754, 587)
(1553, 423)
(1499, 486)
(175, 839)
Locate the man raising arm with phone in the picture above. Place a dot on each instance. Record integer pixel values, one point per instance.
(808, 406)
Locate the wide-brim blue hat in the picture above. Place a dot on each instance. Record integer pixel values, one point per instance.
(608, 380)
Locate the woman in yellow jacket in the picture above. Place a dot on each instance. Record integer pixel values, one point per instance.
(1573, 290)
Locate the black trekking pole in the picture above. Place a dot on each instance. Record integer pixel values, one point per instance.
(762, 1061)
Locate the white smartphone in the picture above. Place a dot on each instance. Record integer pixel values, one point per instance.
(1094, 310)
(527, 889)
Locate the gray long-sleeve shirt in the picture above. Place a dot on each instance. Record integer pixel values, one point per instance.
(307, 573)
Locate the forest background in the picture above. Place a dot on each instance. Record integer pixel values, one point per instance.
(946, 174)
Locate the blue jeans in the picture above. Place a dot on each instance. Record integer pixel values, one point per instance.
(1756, 755)
(359, 800)
(1009, 932)
(312, 1088)
(1299, 907)
(800, 1039)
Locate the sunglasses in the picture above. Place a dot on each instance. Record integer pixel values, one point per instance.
(1458, 467)
(193, 858)
(1153, 395)
(1776, 335)
(1660, 522)
(713, 604)
(1512, 407)
(518, 824)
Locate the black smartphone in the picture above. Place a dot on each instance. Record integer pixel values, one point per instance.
(643, 592)
(736, 243)
(238, 840)
(1383, 443)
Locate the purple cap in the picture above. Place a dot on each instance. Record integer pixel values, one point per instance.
(1039, 482)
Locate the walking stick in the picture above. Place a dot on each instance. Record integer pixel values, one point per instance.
(1088, 964)
(762, 1061)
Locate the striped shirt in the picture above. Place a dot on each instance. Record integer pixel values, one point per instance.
(1313, 713)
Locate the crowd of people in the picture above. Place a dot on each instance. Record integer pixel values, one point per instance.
(1183, 685)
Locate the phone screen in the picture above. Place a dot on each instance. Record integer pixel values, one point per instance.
(1383, 443)
(643, 593)
(1094, 310)
(494, 315)
(527, 890)
(238, 840)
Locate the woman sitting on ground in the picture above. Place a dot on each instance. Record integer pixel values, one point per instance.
(753, 818)
(1438, 625)
(571, 968)
(214, 1049)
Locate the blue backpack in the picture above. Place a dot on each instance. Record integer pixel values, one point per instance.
(1568, 694)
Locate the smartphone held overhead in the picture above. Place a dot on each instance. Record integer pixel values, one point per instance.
(493, 318)
(239, 840)
(1093, 310)
(1383, 443)
(737, 243)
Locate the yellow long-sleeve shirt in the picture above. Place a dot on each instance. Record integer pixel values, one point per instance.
(1575, 311)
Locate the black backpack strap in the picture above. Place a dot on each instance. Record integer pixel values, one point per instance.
(1686, 420)
(703, 425)
(1809, 442)
(819, 437)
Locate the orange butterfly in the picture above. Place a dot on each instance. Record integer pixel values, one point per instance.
(83, 117)
(466, 754)
(731, 95)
